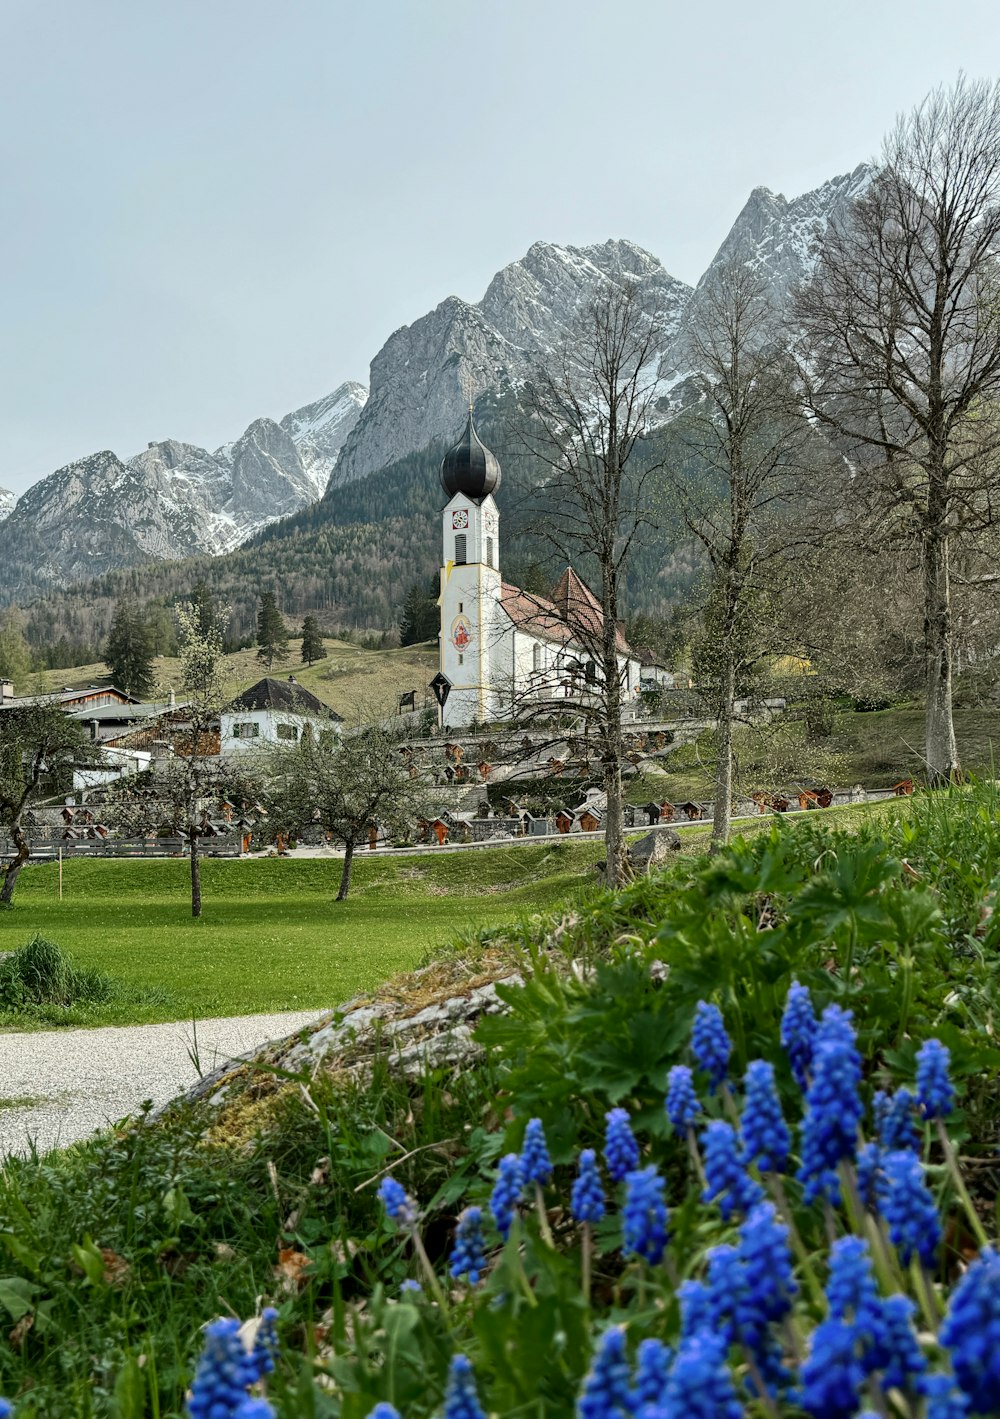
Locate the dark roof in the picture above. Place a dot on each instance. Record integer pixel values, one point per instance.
(284, 695)
(469, 467)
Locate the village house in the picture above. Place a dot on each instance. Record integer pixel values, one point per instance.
(273, 712)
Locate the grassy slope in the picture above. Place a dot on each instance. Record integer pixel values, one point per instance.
(876, 750)
(272, 937)
(349, 679)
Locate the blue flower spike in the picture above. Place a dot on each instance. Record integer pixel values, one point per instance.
(766, 1139)
(587, 1202)
(894, 1120)
(536, 1165)
(798, 1031)
(935, 1094)
(468, 1257)
(621, 1151)
(461, 1400)
(384, 1411)
(607, 1392)
(506, 1193)
(971, 1332)
(908, 1208)
(399, 1205)
(726, 1178)
(833, 1106)
(700, 1385)
(710, 1044)
(645, 1216)
(652, 1368)
(681, 1104)
(223, 1374)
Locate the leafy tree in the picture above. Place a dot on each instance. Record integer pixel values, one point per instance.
(272, 633)
(38, 743)
(203, 601)
(420, 619)
(15, 653)
(128, 655)
(312, 641)
(344, 785)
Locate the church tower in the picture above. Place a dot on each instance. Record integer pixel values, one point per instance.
(470, 578)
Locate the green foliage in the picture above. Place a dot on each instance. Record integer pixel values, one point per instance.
(15, 653)
(129, 655)
(272, 633)
(419, 619)
(40, 982)
(312, 641)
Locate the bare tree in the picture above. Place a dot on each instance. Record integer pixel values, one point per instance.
(748, 439)
(38, 744)
(901, 350)
(345, 785)
(587, 412)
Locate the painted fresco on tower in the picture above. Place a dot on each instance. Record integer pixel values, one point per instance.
(461, 632)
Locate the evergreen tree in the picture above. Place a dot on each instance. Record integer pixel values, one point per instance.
(15, 654)
(419, 619)
(312, 641)
(272, 633)
(203, 601)
(128, 655)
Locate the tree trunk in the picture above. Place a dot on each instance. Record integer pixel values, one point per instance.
(345, 876)
(941, 749)
(13, 870)
(195, 876)
(614, 825)
(723, 806)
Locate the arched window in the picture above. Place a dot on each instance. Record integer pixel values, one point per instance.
(460, 553)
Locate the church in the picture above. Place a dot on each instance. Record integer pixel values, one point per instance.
(504, 651)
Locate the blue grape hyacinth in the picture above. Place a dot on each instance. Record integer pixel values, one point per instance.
(766, 1139)
(468, 1256)
(621, 1151)
(506, 1193)
(696, 1308)
(700, 1385)
(853, 1298)
(587, 1198)
(6, 1409)
(971, 1332)
(935, 1094)
(710, 1044)
(908, 1207)
(727, 1180)
(536, 1165)
(894, 1120)
(869, 1172)
(766, 1255)
(384, 1411)
(831, 1373)
(652, 1367)
(253, 1407)
(833, 1105)
(223, 1374)
(461, 1400)
(645, 1216)
(903, 1362)
(399, 1205)
(607, 1392)
(944, 1401)
(681, 1103)
(798, 1029)
(265, 1345)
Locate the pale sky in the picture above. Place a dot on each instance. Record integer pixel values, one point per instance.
(218, 209)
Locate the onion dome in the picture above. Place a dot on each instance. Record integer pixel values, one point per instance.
(469, 467)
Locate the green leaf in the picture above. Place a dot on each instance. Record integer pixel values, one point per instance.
(17, 1296)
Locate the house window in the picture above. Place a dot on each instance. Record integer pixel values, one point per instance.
(460, 553)
(536, 657)
(461, 660)
(489, 551)
(288, 731)
(246, 729)
(461, 607)
(590, 672)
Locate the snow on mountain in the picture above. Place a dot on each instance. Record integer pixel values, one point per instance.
(426, 373)
(7, 501)
(319, 430)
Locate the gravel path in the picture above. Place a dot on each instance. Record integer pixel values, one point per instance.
(75, 1081)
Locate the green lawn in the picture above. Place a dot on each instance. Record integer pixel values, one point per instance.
(272, 937)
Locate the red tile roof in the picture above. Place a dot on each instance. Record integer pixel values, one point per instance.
(572, 612)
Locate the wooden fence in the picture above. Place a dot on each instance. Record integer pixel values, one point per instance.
(48, 849)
